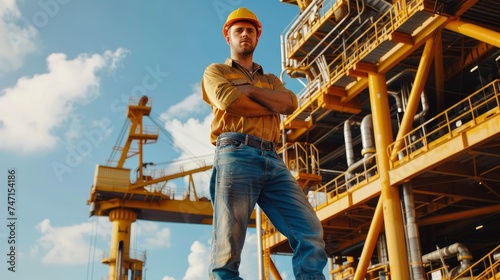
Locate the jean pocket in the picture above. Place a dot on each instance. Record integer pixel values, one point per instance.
(226, 145)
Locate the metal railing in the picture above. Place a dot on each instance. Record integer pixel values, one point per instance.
(367, 41)
(486, 268)
(304, 22)
(302, 158)
(136, 101)
(335, 189)
(461, 117)
(134, 255)
(378, 272)
(175, 171)
(147, 130)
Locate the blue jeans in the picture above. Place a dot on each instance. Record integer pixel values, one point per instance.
(243, 176)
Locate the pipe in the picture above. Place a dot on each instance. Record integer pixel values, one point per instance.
(458, 249)
(496, 256)
(367, 136)
(367, 143)
(295, 28)
(399, 104)
(320, 43)
(260, 251)
(396, 97)
(382, 249)
(349, 152)
(425, 107)
(413, 237)
(330, 267)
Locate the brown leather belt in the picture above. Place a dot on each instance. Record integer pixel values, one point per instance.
(248, 141)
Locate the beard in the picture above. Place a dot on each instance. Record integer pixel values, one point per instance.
(243, 49)
(247, 50)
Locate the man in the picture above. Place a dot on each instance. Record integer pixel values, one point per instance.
(247, 104)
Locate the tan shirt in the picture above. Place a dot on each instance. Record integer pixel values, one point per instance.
(218, 88)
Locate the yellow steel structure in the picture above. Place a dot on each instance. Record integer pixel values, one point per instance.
(396, 143)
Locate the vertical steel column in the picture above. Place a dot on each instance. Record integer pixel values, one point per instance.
(382, 129)
(122, 220)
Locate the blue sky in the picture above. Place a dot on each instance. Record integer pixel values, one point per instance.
(67, 70)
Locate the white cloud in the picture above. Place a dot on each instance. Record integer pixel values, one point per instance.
(152, 236)
(68, 244)
(191, 137)
(35, 106)
(17, 40)
(199, 260)
(248, 267)
(187, 107)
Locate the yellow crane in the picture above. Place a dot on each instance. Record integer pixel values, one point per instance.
(113, 194)
(396, 143)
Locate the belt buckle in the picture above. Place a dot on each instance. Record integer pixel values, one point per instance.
(266, 145)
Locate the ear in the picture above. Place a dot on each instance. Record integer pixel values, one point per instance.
(227, 39)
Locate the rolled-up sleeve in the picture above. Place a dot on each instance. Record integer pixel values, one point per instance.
(216, 89)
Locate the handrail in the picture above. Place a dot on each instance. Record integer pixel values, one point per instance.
(335, 189)
(378, 32)
(488, 267)
(375, 34)
(374, 272)
(323, 12)
(305, 159)
(448, 124)
(133, 254)
(136, 101)
(180, 167)
(147, 130)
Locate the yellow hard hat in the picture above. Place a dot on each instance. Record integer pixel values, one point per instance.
(242, 14)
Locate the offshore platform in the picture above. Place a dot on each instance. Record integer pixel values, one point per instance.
(396, 143)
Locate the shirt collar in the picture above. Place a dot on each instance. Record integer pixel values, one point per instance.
(232, 63)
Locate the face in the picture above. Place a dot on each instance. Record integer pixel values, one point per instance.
(242, 37)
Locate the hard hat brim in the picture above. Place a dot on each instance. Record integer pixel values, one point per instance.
(228, 24)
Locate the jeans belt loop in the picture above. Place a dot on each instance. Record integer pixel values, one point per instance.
(246, 139)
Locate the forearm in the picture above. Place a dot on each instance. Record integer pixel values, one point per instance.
(278, 101)
(246, 107)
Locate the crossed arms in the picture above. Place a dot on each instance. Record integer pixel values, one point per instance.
(241, 98)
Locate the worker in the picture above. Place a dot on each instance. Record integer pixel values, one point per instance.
(246, 104)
